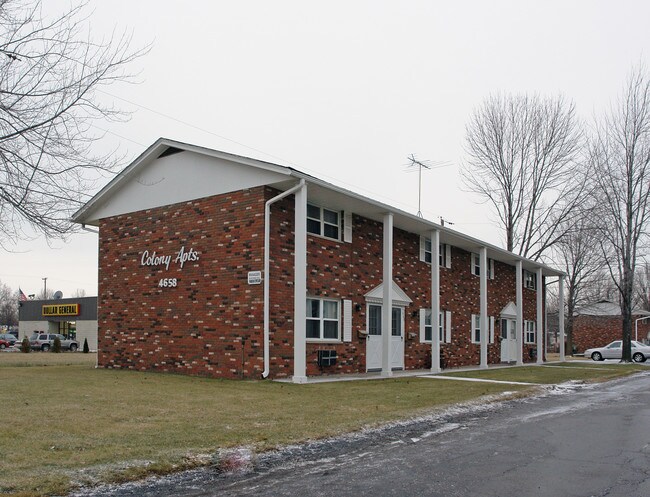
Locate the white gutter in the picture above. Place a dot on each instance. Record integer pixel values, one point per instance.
(267, 244)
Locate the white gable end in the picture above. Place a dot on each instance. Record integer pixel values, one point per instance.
(181, 177)
(509, 311)
(376, 295)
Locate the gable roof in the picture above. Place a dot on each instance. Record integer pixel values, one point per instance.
(606, 308)
(104, 203)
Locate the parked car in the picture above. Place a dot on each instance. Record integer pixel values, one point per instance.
(8, 337)
(614, 350)
(4, 344)
(44, 341)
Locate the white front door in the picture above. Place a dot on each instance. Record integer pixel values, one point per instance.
(374, 344)
(508, 340)
(397, 339)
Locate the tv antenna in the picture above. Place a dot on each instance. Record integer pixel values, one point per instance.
(420, 164)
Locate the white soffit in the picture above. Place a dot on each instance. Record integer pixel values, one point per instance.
(181, 177)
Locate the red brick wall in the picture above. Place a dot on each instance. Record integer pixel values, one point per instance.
(342, 270)
(598, 331)
(212, 322)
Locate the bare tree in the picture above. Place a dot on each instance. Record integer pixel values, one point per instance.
(620, 153)
(50, 72)
(642, 288)
(8, 306)
(579, 255)
(79, 292)
(522, 156)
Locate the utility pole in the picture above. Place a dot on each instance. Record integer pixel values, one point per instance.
(44, 288)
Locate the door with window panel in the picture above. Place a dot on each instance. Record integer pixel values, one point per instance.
(374, 343)
(508, 340)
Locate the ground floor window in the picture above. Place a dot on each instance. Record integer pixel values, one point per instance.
(323, 318)
(529, 327)
(428, 326)
(476, 328)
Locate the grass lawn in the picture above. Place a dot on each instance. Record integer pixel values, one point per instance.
(73, 423)
(555, 373)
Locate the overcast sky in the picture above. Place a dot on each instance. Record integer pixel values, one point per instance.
(344, 90)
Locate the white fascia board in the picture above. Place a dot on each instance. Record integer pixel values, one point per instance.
(414, 224)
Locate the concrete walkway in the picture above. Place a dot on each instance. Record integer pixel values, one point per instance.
(408, 373)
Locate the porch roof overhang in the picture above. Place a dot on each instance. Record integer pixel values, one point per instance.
(319, 191)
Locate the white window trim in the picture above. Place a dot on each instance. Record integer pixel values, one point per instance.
(475, 266)
(532, 331)
(444, 326)
(530, 280)
(476, 326)
(322, 319)
(444, 253)
(322, 222)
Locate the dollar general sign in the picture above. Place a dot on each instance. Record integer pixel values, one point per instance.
(61, 310)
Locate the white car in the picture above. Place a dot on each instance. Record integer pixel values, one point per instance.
(640, 352)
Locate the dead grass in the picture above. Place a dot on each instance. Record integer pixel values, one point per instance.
(555, 373)
(77, 424)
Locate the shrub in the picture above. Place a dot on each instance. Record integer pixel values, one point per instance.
(24, 346)
(86, 348)
(56, 345)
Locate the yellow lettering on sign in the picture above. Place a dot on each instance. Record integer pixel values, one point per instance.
(61, 310)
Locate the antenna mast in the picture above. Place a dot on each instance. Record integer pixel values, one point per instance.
(419, 164)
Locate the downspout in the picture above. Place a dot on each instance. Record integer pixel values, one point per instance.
(267, 257)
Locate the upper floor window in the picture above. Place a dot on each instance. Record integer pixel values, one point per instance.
(323, 222)
(426, 254)
(323, 319)
(530, 280)
(476, 266)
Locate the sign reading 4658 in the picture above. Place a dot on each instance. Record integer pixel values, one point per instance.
(168, 283)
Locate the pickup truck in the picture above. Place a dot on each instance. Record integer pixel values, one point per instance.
(44, 341)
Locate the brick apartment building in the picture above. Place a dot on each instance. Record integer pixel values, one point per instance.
(219, 265)
(599, 323)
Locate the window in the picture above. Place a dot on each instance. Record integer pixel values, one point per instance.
(428, 327)
(374, 320)
(427, 250)
(530, 280)
(476, 328)
(476, 266)
(426, 254)
(322, 319)
(323, 222)
(529, 326)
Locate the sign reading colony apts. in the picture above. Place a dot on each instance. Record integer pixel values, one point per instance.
(180, 258)
(61, 310)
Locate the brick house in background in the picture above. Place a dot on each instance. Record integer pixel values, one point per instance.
(220, 265)
(597, 324)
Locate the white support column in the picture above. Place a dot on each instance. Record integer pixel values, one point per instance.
(560, 318)
(300, 288)
(435, 301)
(485, 331)
(520, 313)
(540, 318)
(387, 297)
